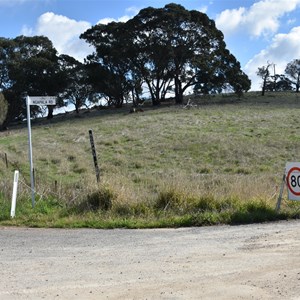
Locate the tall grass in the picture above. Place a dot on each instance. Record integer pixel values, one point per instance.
(220, 161)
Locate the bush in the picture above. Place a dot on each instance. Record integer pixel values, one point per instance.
(168, 200)
(100, 199)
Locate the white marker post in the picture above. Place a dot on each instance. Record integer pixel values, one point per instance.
(43, 100)
(14, 195)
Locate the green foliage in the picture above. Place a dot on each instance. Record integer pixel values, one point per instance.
(77, 89)
(162, 47)
(29, 66)
(293, 71)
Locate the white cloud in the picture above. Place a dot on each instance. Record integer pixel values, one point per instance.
(262, 18)
(203, 9)
(130, 13)
(229, 20)
(63, 32)
(283, 49)
(133, 10)
(105, 21)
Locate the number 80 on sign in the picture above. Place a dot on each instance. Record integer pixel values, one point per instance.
(292, 172)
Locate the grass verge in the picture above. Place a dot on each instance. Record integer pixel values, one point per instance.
(170, 209)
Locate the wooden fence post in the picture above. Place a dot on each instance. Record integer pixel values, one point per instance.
(94, 155)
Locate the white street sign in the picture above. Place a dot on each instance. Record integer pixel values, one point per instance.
(292, 172)
(42, 100)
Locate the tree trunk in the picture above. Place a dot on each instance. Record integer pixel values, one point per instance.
(178, 91)
(264, 86)
(50, 112)
(77, 108)
(155, 102)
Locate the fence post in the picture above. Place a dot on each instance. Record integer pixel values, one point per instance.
(6, 160)
(14, 195)
(94, 155)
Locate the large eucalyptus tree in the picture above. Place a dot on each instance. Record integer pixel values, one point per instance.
(28, 65)
(167, 49)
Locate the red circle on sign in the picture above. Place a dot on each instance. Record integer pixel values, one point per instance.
(288, 181)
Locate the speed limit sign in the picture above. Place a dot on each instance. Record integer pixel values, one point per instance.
(292, 175)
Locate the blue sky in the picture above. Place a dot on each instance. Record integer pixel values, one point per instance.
(256, 31)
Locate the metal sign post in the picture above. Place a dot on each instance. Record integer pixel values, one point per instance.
(283, 183)
(34, 101)
(30, 151)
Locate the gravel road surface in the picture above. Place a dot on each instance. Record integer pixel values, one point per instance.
(260, 261)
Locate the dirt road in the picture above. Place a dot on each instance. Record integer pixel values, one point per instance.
(260, 261)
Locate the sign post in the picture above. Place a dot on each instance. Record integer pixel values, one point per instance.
(44, 100)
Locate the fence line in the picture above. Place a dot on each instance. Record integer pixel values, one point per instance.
(23, 181)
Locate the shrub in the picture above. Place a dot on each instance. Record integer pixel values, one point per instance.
(100, 199)
(171, 199)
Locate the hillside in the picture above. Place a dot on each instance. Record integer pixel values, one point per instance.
(173, 158)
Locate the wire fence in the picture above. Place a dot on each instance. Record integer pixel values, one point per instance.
(56, 189)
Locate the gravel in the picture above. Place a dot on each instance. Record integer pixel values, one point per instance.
(258, 261)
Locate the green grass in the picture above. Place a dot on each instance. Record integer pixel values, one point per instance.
(219, 162)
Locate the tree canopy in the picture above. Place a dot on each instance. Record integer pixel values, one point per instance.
(165, 50)
(280, 82)
(29, 66)
(293, 72)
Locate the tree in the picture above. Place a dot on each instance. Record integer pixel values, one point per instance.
(28, 66)
(184, 49)
(264, 73)
(3, 110)
(293, 71)
(150, 55)
(279, 83)
(77, 89)
(167, 50)
(108, 67)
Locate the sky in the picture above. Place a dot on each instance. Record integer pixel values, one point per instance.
(256, 32)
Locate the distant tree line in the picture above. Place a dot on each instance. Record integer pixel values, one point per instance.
(160, 52)
(289, 81)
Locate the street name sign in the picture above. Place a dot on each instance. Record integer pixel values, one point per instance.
(37, 100)
(292, 175)
(42, 100)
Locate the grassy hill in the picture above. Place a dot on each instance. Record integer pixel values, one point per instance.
(217, 160)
